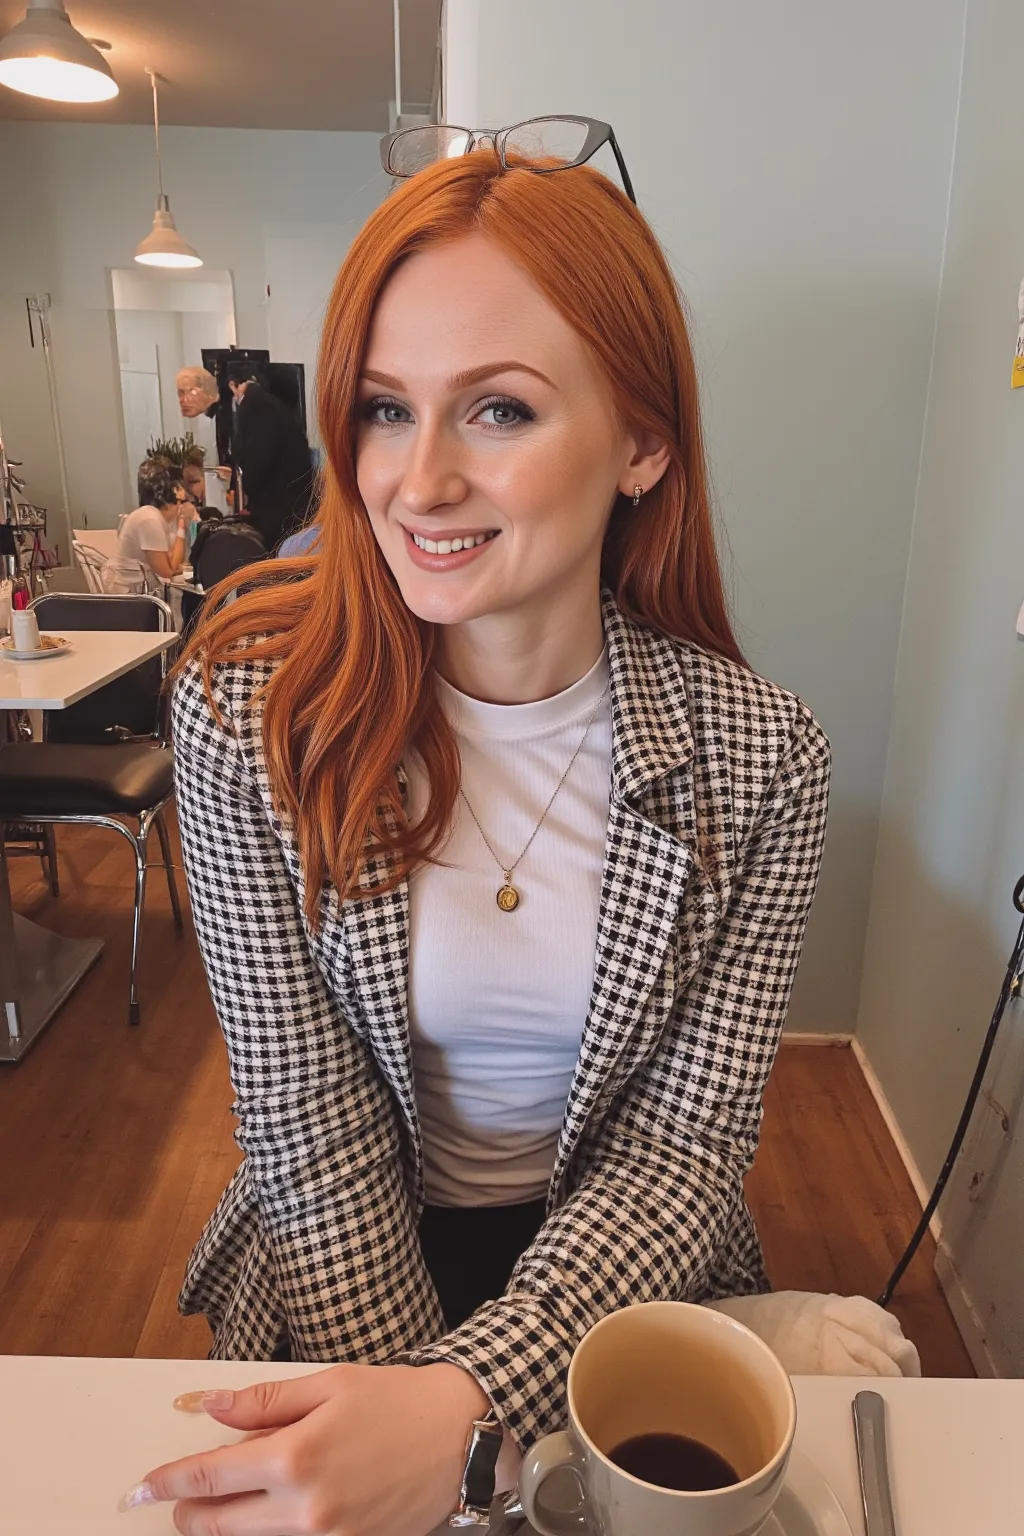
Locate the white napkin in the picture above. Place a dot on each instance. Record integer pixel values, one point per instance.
(816, 1335)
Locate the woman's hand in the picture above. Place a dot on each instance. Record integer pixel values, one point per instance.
(356, 1450)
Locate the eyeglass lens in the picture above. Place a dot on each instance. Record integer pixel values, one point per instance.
(549, 138)
(420, 147)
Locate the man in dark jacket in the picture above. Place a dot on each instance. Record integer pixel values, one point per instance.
(271, 451)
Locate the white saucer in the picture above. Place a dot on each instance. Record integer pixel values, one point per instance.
(7, 649)
(806, 1506)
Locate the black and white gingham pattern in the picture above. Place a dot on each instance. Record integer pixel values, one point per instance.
(719, 794)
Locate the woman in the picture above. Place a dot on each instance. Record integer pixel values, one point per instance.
(194, 477)
(152, 540)
(500, 882)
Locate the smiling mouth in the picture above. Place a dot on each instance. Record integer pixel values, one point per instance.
(451, 546)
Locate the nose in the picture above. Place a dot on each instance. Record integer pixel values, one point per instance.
(433, 476)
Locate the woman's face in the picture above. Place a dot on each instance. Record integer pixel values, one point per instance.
(482, 418)
(195, 483)
(171, 509)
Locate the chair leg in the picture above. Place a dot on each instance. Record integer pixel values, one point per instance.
(50, 861)
(139, 844)
(165, 849)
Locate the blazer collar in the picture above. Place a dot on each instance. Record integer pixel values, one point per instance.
(651, 735)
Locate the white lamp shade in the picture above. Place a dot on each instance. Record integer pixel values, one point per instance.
(44, 56)
(163, 246)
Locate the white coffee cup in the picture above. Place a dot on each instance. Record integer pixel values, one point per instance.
(25, 630)
(667, 1368)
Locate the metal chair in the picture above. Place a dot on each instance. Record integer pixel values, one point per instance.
(110, 769)
(122, 710)
(102, 540)
(90, 562)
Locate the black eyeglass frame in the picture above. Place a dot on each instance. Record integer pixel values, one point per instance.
(598, 134)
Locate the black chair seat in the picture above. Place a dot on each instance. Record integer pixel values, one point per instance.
(47, 779)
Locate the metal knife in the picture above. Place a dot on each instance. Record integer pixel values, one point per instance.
(873, 1461)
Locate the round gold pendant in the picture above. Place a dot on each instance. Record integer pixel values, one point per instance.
(508, 898)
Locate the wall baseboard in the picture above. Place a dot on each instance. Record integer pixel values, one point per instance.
(921, 1189)
(965, 1313)
(807, 1037)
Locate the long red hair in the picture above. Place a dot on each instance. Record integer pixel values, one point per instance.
(352, 691)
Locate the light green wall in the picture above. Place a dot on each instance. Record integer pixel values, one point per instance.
(952, 831)
(795, 161)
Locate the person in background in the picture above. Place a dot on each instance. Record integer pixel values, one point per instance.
(199, 396)
(197, 392)
(152, 540)
(194, 477)
(272, 453)
(207, 528)
(302, 543)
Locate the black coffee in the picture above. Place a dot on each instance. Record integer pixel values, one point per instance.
(674, 1461)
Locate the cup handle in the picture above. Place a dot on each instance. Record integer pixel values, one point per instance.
(543, 1458)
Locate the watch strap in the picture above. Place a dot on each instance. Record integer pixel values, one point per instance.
(477, 1492)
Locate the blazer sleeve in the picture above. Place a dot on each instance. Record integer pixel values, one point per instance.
(657, 1212)
(321, 1146)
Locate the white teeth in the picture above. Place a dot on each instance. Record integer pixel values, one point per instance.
(451, 546)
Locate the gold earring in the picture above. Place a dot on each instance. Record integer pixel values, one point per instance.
(638, 491)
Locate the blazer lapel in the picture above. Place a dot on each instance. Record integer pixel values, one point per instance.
(646, 951)
(362, 949)
(377, 928)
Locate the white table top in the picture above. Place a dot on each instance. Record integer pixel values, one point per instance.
(75, 1433)
(96, 657)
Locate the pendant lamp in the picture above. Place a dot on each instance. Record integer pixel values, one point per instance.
(163, 246)
(44, 56)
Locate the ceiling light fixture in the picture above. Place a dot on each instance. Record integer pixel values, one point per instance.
(44, 56)
(163, 246)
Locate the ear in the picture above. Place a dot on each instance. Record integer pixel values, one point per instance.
(648, 462)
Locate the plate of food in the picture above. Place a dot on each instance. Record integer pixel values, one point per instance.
(49, 645)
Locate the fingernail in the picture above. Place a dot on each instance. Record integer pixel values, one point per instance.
(142, 1493)
(199, 1402)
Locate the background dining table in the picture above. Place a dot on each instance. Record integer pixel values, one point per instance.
(39, 968)
(76, 1433)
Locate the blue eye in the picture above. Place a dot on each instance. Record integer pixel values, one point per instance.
(506, 413)
(395, 414)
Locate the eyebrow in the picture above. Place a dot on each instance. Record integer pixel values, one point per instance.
(466, 378)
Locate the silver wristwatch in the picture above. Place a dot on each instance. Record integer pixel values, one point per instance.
(477, 1492)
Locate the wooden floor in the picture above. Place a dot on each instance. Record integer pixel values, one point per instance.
(116, 1143)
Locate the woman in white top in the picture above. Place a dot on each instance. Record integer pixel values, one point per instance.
(500, 858)
(152, 540)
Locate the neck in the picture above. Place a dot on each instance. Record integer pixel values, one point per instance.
(524, 654)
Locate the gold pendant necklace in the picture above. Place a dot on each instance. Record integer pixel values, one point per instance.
(508, 898)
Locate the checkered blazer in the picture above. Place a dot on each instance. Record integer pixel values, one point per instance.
(719, 787)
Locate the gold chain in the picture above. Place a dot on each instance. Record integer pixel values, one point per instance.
(508, 897)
